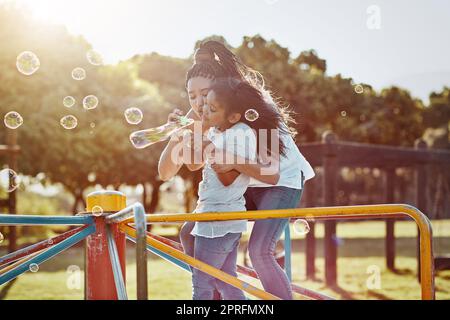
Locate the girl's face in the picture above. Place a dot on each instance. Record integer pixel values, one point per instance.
(214, 114)
(198, 88)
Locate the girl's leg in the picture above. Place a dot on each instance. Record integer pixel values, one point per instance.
(266, 233)
(213, 251)
(227, 291)
(186, 239)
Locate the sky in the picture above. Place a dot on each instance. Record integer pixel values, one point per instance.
(379, 42)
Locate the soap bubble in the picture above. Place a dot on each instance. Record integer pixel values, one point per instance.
(27, 63)
(13, 120)
(97, 211)
(34, 267)
(9, 180)
(251, 115)
(90, 102)
(133, 115)
(69, 122)
(301, 226)
(78, 74)
(94, 58)
(359, 89)
(1, 237)
(68, 101)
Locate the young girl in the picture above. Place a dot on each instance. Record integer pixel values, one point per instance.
(230, 133)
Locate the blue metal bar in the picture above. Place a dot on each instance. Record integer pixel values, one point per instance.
(287, 252)
(165, 256)
(47, 254)
(115, 264)
(13, 219)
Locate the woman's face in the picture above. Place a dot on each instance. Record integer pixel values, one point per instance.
(198, 88)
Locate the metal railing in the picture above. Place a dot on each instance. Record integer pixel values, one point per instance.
(173, 253)
(132, 221)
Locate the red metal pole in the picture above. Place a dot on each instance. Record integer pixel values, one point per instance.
(99, 275)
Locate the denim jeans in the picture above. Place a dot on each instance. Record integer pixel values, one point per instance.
(186, 238)
(264, 236)
(266, 233)
(220, 253)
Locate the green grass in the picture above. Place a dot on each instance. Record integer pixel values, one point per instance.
(363, 246)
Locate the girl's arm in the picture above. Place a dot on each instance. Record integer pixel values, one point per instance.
(228, 178)
(170, 160)
(208, 149)
(269, 174)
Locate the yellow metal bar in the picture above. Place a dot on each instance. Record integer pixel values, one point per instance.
(365, 211)
(206, 268)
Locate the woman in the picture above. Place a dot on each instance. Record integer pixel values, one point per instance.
(280, 189)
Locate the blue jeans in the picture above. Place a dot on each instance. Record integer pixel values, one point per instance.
(186, 238)
(266, 233)
(220, 253)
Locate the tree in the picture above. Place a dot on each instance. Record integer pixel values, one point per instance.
(99, 145)
(437, 120)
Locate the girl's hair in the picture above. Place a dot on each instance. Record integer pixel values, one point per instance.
(238, 96)
(214, 60)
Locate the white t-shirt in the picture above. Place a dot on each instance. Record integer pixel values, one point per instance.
(290, 167)
(213, 196)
